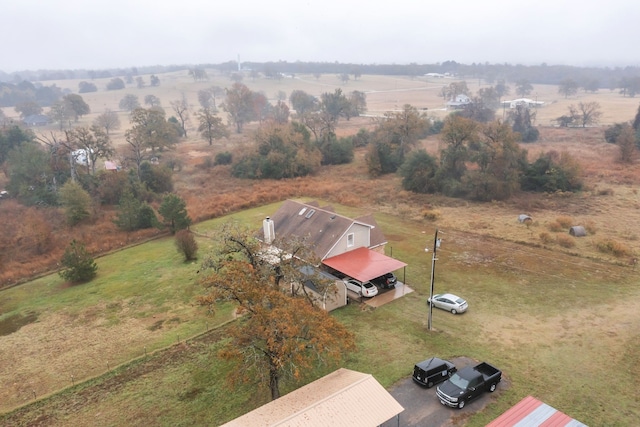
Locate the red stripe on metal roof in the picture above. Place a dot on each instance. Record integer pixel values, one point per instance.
(558, 419)
(516, 413)
(530, 412)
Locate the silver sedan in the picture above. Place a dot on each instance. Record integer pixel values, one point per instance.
(449, 302)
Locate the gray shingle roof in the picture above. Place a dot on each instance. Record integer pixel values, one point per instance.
(322, 227)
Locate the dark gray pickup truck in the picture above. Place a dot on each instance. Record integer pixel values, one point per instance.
(468, 383)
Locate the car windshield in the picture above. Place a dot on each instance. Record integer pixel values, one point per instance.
(460, 301)
(459, 382)
(367, 285)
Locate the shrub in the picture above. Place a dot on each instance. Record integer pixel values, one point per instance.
(419, 172)
(552, 172)
(431, 214)
(157, 178)
(545, 237)
(530, 135)
(554, 226)
(591, 227)
(612, 132)
(78, 265)
(436, 127)
(224, 158)
(134, 214)
(76, 202)
(281, 152)
(186, 244)
(110, 186)
(362, 138)
(115, 84)
(605, 192)
(565, 221)
(610, 246)
(565, 241)
(337, 151)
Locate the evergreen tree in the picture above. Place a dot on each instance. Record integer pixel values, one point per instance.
(78, 264)
(134, 214)
(174, 212)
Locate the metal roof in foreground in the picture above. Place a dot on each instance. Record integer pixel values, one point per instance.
(530, 412)
(342, 398)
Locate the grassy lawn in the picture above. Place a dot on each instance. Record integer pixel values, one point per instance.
(552, 322)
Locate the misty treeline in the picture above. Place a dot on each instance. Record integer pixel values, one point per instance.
(611, 78)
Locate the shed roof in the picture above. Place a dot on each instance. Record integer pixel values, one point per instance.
(530, 412)
(342, 398)
(363, 264)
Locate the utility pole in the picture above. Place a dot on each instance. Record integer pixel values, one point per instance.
(436, 245)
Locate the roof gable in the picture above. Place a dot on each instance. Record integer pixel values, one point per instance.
(321, 227)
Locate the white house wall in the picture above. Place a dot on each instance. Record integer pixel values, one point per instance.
(362, 234)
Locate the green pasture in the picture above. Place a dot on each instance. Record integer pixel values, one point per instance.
(551, 322)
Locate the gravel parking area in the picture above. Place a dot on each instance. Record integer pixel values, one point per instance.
(422, 407)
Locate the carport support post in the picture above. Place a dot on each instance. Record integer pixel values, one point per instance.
(433, 272)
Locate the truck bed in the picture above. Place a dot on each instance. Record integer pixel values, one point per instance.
(487, 370)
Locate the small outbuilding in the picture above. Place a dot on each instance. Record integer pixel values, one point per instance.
(577, 231)
(342, 398)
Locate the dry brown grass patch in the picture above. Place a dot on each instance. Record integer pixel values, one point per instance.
(613, 247)
(545, 237)
(431, 214)
(564, 221)
(555, 226)
(565, 241)
(591, 227)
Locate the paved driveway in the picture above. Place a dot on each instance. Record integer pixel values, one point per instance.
(423, 409)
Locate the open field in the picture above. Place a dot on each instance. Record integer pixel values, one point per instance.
(561, 322)
(384, 93)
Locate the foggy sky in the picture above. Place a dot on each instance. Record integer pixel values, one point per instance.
(97, 34)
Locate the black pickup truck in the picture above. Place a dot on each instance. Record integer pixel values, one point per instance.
(468, 383)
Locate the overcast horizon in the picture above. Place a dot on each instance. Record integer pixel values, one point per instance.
(75, 34)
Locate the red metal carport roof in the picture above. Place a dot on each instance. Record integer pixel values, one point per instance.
(363, 264)
(530, 412)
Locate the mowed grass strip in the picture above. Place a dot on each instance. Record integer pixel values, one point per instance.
(552, 322)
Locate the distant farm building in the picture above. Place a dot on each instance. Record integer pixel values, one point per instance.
(36, 120)
(459, 102)
(526, 102)
(111, 166)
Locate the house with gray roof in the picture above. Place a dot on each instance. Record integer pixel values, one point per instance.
(353, 247)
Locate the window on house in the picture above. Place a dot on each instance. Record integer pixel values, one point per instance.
(350, 240)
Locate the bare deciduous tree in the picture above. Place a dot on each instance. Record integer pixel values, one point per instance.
(181, 108)
(587, 113)
(108, 120)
